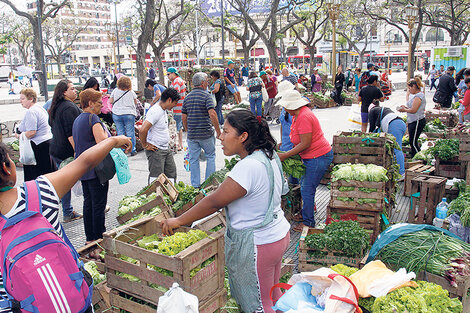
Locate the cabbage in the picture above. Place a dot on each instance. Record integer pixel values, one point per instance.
(360, 172)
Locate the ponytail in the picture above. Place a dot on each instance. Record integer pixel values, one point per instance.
(259, 136)
(4, 159)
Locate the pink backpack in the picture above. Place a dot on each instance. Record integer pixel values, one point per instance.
(107, 106)
(41, 272)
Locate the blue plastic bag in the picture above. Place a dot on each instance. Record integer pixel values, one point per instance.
(301, 291)
(122, 166)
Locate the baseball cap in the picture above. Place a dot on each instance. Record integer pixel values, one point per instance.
(230, 62)
(451, 68)
(370, 65)
(172, 70)
(262, 73)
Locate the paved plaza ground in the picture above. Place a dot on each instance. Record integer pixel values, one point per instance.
(331, 119)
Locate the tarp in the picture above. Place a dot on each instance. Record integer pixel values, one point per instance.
(396, 231)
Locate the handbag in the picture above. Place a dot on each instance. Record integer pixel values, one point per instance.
(438, 98)
(26, 151)
(106, 169)
(122, 165)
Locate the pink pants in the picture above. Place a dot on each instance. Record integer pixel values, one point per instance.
(268, 266)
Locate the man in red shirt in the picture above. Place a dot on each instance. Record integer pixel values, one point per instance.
(466, 101)
(271, 88)
(178, 83)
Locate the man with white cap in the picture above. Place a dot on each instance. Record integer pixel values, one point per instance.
(310, 143)
(229, 75)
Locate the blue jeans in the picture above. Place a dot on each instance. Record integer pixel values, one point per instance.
(66, 199)
(179, 121)
(316, 168)
(255, 105)
(194, 148)
(125, 126)
(397, 128)
(218, 110)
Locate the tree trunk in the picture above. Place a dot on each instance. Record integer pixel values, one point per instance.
(361, 60)
(58, 61)
(246, 55)
(143, 42)
(273, 54)
(161, 75)
(37, 56)
(311, 51)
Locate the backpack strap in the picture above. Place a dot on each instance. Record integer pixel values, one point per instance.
(32, 196)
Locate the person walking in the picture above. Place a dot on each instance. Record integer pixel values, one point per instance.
(62, 114)
(229, 76)
(271, 88)
(357, 80)
(257, 233)
(465, 102)
(177, 83)
(415, 107)
(87, 132)
(245, 73)
(218, 90)
(255, 85)
(124, 101)
(35, 127)
(432, 76)
(349, 76)
(445, 89)
(366, 96)
(200, 120)
(382, 119)
(339, 83)
(310, 143)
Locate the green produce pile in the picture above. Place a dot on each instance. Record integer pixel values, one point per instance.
(435, 126)
(427, 297)
(461, 206)
(186, 194)
(294, 166)
(424, 155)
(92, 268)
(229, 164)
(344, 270)
(130, 203)
(318, 95)
(433, 251)
(445, 149)
(170, 246)
(14, 145)
(153, 212)
(220, 175)
(348, 237)
(360, 172)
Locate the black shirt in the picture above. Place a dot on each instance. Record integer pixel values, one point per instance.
(61, 127)
(368, 94)
(376, 115)
(339, 79)
(446, 85)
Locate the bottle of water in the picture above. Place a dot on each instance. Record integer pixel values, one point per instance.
(441, 209)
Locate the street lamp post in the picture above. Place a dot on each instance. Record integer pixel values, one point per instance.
(333, 10)
(411, 12)
(222, 24)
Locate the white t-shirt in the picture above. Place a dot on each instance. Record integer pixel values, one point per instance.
(158, 135)
(251, 209)
(36, 118)
(125, 105)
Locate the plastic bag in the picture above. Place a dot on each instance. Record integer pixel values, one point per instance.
(456, 227)
(381, 287)
(264, 92)
(77, 189)
(122, 165)
(26, 151)
(354, 116)
(176, 300)
(291, 299)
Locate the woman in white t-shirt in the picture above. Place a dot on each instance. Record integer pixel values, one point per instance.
(124, 101)
(35, 127)
(257, 232)
(51, 188)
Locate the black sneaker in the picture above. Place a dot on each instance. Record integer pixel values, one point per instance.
(133, 153)
(72, 217)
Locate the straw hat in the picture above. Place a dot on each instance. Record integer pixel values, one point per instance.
(284, 86)
(292, 100)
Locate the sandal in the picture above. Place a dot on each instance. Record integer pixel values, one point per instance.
(298, 217)
(298, 228)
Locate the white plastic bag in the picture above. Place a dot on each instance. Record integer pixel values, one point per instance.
(176, 300)
(77, 189)
(264, 92)
(354, 116)
(26, 151)
(381, 287)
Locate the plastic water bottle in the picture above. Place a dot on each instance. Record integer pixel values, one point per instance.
(441, 209)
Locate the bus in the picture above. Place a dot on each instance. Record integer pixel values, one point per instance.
(398, 60)
(305, 59)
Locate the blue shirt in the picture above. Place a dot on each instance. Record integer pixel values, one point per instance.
(47, 105)
(245, 71)
(158, 87)
(230, 74)
(83, 137)
(196, 106)
(285, 136)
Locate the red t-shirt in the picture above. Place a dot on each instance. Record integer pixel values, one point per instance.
(271, 88)
(306, 122)
(466, 102)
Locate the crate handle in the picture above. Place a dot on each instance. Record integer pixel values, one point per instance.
(416, 195)
(368, 140)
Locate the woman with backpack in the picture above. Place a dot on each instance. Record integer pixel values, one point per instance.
(255, 85)
(55, 281)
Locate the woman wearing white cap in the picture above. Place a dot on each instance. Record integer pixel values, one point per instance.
(310, 143)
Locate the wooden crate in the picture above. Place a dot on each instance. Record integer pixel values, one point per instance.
(435, 135)
(414, 171)
(411, 163)
(450, 169)
(167, 187)
(158, 201)
(431, 189)
(451, 193)
(367, 219)
(212, 222)
(84, 251)
(464, 148)
(121, 301)
(447, 117)
(356, 194)
(121, 242)
(355, 150)
(309, 263)
(287, 266)
(461, 291)
(201, 195)
(100, 299)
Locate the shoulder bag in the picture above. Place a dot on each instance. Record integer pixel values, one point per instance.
(106, 169)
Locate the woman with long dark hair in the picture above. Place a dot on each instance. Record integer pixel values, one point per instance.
(257, 231)
(62, 114)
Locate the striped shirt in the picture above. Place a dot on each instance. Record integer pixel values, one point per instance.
(180, 86)
(50, 206)
(196, 106)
